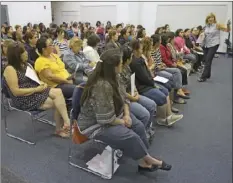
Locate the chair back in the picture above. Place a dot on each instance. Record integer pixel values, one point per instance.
(4, 88)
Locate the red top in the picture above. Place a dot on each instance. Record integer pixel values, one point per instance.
(180, 45)
(166, 55)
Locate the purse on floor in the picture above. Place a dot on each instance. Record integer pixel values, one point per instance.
(77, 136)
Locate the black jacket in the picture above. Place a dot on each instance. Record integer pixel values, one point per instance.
(188, 42)
(111, 45)
(143, 79)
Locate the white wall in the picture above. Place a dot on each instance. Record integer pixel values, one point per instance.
(24, 12)
(149, 16)
(59, 7)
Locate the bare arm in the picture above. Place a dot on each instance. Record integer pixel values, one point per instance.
(224, 28)
(47, 73)
(126, 110)
(12, 82)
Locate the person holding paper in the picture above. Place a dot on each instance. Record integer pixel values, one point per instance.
(211, 43)
(105, 115)
(142, 107)
(190, 45)
(29, 94)
(147, 87)
(51, 69)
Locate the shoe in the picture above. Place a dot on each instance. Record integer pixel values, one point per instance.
(165, 166)
(173, 118)
(162, 122)
(179, 101)
(186, 92)
(145, 170)
(183, 96)
(175, 110)
(201, 80)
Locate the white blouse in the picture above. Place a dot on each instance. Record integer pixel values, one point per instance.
(91, 54)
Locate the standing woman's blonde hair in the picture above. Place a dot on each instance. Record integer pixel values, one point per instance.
(211, 15)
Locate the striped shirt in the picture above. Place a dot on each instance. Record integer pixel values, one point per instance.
(62, 46)
(156, 55)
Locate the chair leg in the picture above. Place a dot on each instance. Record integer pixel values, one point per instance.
(16, 137)
(113, 163)
(45, 121)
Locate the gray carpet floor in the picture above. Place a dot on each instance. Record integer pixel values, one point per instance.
(199, 146)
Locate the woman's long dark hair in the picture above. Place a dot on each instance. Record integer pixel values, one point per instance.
(178, 32)
(106, 70)
(164, 39)
(14, 52)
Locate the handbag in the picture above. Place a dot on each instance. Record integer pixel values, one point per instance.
(77, 136)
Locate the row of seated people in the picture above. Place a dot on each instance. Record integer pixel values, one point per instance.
(106, 104)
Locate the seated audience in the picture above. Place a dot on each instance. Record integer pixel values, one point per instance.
(90, 51)
(181, 47)
(4, 47)
(142, 107)
(60, 41)
(30, 26)
(51, 69)
(30, 46)
(167, 28)
(3, 32)
(9, 31)
(192, 46)
(75, 61)
(104, 111)
(112, 40)
(118, 29)
(25, 30)
(18, 29)
(147, 87)
(161, 69)
(178, 57)
(146, 50)
(18, 37)
(100, 30)
(86, 36)
(166, 54)
(124, 36)
(26, 94)
(141, 33)
(159, 30)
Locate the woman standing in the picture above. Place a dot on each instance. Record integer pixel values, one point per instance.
(211, 43)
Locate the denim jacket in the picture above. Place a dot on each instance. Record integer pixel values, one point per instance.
(78, 65)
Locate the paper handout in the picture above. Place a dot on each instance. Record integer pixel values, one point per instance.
(103, 163)
(132, 79)
(161, 79)
(30, 73)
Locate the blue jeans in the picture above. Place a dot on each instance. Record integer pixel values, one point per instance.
(158, 95)
(144, 110)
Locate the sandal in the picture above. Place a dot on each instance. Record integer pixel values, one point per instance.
(180, 101)
(62, 133)
(66, 128)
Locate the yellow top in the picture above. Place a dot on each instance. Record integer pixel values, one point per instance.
(57, 68)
